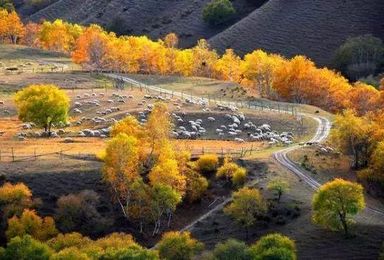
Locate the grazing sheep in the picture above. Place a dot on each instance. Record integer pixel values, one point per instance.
(211, 119)
(240, 140)
(1, 102)
(77, 111)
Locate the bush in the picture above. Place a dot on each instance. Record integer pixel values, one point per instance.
(26, 248)
(218, 12)
(232, 172)
(178, 246)
(207, 163)
(77, 212)
(30, 223)
(231, 249)
(274, 246)
(196, 185)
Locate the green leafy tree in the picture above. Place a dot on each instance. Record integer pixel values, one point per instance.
(231, 249)
(246, 206)
(71, 253)
(43, 105)
(218, 12)
(360, 56)
(26, 248)
(336, 202)
(278, 186)
(7, 5)
(274, 246)
(164, 202)
(178, 246)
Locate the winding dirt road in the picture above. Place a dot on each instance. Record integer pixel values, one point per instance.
(322, 133)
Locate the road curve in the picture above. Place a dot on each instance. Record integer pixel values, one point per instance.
(322, 133)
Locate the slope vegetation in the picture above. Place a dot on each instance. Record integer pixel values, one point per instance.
(311, 27)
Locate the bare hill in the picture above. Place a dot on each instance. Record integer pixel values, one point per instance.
(311, 27)
(154, 18)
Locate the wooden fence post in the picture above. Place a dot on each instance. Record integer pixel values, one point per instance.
(13, 155)
(35, 154)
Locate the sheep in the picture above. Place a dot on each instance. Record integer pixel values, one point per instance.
(26, 126)
(232, 133)
(78, 104)
(110, 101)
(240, 140)
(219, 130)
(77, 111)
(1, 102)
(211, 119)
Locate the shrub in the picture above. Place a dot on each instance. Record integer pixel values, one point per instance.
(71, 253)
(207, 163)
(274, 246)
(62, 241)
(196, 185)
(231, 249)
(30, 223)
(232, 172)
(279, 187)
(218, 12)
(14, 199)
(178, 246)
(78, 212)
(26, 248)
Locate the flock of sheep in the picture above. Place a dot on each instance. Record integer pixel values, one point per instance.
(234, 125)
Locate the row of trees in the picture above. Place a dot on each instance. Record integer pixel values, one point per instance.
(33, 237)
(294, 80)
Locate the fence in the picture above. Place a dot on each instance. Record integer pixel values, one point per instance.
(12, 155)
(259, 104)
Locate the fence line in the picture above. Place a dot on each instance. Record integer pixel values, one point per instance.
(11, 155)
(261, 105)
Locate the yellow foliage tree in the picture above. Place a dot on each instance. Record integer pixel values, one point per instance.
(29, 223)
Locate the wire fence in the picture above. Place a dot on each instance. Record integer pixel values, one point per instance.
(14, 155)
(259, 104)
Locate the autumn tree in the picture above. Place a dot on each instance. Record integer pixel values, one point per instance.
(274, 246)
(352, 134)
(178, 246)
(31, 36)
(121, 168)
(14, 198)
(91, 48)
(228, 67)
(246, 206)
(196, 185)
(29, 223)
(232, 172)
(278, 186)
(335, 204)
(363, 98)
(260, 68)
(204, 59)
(59, 36)
(158, 127)
(43, 105)
(11, 27)
(207, 163)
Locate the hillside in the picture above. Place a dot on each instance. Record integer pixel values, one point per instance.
(311, 27)
(154, 18)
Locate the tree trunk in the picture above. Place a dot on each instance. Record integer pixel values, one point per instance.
(344, 224)
(279, 196)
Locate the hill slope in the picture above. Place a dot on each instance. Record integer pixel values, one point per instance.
(311, 27)
(154, 18)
